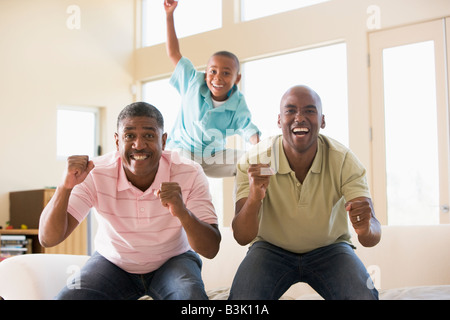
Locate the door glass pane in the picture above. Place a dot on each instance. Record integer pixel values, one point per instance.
(191, 17)
(323, 69)
(411, 134)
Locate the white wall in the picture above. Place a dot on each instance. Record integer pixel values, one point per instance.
(42, 64)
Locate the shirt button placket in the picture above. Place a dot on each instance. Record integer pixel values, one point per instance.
(141, 208)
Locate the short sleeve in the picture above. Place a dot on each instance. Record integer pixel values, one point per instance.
(354, 181)
(81, 200)
(183, 74)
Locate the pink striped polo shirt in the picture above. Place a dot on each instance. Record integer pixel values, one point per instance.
(135, 232)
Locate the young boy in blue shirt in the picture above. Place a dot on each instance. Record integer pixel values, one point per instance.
(212, 107)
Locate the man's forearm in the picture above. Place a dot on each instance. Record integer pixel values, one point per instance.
(54, 220)
(246, 222)
(203, 237)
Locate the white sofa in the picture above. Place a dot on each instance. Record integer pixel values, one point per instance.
(409, 263)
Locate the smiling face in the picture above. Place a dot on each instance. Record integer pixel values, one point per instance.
(140, 142)
(300, 120)
(222, 73)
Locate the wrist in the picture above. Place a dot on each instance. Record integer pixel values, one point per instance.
(256, 195)
(184, 215)
(65, 189)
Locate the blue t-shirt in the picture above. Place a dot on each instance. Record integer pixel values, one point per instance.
(200, 128)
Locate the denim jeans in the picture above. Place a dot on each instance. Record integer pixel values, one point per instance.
(177, 279)
(334, 271)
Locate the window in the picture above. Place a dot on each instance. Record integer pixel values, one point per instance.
(410, 124)
(191, 17)
(254, 9)
(163, 96)
(77, 131)
(324, 69)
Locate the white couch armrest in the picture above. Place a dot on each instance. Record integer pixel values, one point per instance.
(37, 276)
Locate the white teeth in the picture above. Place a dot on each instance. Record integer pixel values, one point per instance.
(139, 157)
(217, 86)
(298, 130)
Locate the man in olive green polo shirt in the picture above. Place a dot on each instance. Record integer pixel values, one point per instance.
(293, 193)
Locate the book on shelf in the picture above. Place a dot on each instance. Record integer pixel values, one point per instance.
(13, 245)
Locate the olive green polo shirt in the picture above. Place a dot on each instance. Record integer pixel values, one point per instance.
(300, 217)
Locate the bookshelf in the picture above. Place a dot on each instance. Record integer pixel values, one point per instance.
(16, 242)
(76, 243)
(26, 207)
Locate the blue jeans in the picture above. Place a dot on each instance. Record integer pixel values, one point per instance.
(177, 279)
(334, 271)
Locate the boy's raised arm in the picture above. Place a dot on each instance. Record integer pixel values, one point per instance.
(172, 45)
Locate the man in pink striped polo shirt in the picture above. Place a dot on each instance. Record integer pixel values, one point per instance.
(154, 215)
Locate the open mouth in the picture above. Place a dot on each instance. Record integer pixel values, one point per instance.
(300, 131)
(139, 156)
(217, 86)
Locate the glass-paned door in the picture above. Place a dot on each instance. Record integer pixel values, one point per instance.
(410, 124)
